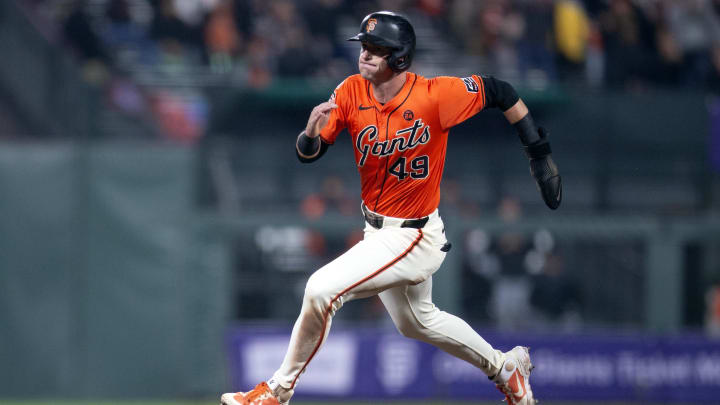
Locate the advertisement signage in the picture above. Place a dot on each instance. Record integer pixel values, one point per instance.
(380, 363)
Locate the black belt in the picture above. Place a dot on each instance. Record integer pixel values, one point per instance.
(376, 221)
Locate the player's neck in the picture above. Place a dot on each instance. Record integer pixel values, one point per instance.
(386, 90)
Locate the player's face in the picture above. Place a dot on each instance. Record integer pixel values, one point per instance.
(372, 63)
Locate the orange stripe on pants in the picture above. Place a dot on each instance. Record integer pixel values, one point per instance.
(345, 291)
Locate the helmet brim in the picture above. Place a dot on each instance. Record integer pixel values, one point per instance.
(375, 40)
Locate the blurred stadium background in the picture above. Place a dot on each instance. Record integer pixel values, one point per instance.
(156, 228)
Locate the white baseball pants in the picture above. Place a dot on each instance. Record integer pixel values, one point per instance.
(397, 264)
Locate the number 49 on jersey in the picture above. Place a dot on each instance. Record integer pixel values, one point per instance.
(418, 168)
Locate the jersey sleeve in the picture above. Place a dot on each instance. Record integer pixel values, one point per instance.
(338, 117)
(459, 98)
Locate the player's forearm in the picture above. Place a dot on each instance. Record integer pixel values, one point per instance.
(520, 118)
(537, 149)
(309, 149)
(517, 112)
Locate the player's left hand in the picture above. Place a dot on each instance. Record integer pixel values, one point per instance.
(547, 177)
(544, 170)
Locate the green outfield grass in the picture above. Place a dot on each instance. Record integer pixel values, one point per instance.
(323, 402)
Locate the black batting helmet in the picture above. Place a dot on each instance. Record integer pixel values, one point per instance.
(390, 30)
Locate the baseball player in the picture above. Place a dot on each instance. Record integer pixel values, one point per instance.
(399, 123)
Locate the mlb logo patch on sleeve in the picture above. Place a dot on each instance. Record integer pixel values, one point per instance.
(470, 84)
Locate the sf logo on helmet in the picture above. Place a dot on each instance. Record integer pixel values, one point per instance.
(371, 24)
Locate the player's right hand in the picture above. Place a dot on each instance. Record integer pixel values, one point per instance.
(318, 118)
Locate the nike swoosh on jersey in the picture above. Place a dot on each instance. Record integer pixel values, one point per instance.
(362, 107)
(520, 392)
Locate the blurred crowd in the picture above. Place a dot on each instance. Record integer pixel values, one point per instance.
(518, 279)
(598, 42)
(617, 43)
(159, 56)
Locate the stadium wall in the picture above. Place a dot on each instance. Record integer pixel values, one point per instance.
(105, 288)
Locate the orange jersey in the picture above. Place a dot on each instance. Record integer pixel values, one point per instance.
(400, 146)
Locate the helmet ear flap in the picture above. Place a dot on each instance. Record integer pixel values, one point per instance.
(393, 62)
(397, 64)
(400, 60)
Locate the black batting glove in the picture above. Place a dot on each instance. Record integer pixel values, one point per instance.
(544, 170)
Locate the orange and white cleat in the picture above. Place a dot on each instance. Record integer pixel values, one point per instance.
(260, 395)
(514, 377)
